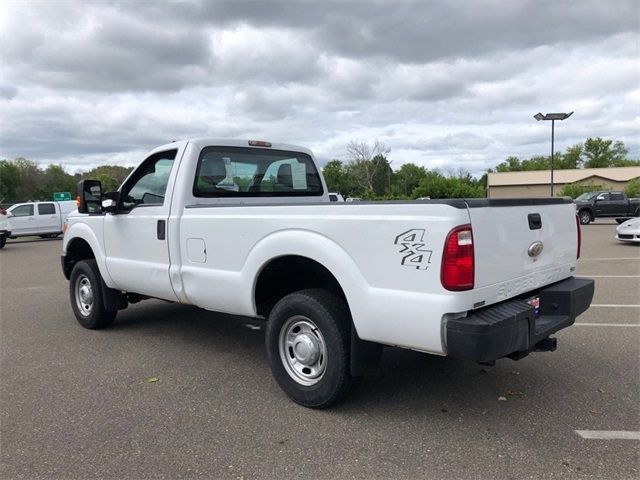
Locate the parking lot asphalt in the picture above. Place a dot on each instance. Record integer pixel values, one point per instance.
(76, 403)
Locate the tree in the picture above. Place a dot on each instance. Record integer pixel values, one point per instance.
(598, 153)
(30, 178)
(366, 161)
(436, 185)
(511, 164)
(111, 176)
(9, 181)
(572, 157)
(55, 179)
(408, 178)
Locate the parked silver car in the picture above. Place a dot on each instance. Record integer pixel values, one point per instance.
(629, 231)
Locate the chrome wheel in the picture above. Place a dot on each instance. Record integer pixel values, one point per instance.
(84, 295)
(302, 350)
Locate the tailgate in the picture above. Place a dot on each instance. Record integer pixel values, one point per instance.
(522, 244)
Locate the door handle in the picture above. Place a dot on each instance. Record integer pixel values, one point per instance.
(160, 229)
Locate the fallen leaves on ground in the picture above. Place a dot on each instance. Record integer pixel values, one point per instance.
(514, 393)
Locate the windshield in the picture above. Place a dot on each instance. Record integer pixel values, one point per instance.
(586, 196)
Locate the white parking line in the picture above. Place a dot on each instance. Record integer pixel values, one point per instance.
(607, 324)
(605, 259)
(613, 305)
(608, 434)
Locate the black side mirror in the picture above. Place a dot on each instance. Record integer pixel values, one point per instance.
(90, 197)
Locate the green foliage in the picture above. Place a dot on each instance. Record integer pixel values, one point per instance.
(600, 153)
(633, 188)
(594, 153)
(408, 177)
(462, 185)
(111, 176)
(339, 179)
(9, 180)
(574, 190)
(23, 180)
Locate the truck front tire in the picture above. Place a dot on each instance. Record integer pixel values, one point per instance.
(585, 217)
(308, 347)
(85, 293)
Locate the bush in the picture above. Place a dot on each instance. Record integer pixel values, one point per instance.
(633, 188)
(574, 190)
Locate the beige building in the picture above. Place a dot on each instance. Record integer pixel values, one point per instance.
(537, 183)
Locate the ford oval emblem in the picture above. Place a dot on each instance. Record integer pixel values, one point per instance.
(535, 249)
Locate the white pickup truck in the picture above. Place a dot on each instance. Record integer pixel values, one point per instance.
(247, 228)
(45, 219)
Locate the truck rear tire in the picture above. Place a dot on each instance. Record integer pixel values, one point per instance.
(585, 217)
(85, 293)
(308, 347)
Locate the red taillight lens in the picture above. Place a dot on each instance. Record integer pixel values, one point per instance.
(579, 236)
(457, 262)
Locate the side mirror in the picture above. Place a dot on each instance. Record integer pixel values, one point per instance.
(89, 197)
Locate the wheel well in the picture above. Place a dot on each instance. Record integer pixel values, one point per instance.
(77, 250)
(586, 209)
(288, 274)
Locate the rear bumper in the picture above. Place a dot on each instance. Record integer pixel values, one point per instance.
(511, 329)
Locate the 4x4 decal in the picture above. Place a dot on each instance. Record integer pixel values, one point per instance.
(415, 254)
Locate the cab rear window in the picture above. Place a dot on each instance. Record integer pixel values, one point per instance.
(255, 172)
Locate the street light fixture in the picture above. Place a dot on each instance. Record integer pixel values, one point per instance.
(553, 117)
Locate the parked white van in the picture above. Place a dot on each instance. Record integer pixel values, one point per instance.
(39, 218)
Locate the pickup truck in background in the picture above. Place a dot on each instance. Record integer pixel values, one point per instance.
(5, 230)
(247, 228)
(45, 219)
(592, 205)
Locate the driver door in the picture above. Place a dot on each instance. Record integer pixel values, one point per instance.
(135, 237)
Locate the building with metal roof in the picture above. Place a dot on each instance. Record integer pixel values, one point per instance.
(537, 183)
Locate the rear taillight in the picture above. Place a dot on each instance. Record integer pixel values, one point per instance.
(579, 236)
(457, 261)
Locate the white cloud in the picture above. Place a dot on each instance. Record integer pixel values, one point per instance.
(444, 84)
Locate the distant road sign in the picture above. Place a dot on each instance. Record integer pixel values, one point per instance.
(61, 196)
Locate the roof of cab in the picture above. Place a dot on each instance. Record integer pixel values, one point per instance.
(202, 142)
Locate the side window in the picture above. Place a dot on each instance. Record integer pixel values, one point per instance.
(603, 196)
(46, 209)
(23, 211)
(617, 196)
(149, 185)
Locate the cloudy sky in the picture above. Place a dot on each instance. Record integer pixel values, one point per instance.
(444, 84)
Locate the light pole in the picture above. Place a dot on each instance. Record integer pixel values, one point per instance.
(553, 117)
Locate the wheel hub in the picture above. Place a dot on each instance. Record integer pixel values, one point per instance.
(302, 350)
(86, 295)
(306, 349)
